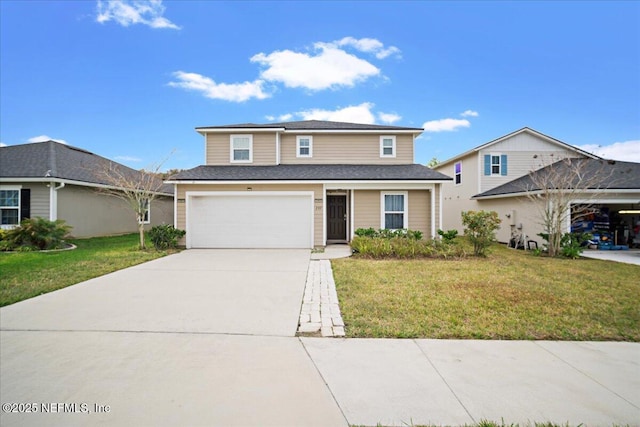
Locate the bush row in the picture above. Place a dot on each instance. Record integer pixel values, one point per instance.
(403, 247)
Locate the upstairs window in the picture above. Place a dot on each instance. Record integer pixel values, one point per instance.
(10, 207)
(458, 173)
(241, 150)
(387, 146)
(495, 164)
(394, 211)
(304, 146)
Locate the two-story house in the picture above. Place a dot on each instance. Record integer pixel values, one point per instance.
(497, 176)
(304, 184)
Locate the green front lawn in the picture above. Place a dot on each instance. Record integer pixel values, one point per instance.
(508, 295)
(27, 274)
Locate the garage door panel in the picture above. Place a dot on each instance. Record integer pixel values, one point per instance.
(250, 221)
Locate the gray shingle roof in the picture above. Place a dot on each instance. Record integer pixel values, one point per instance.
(52, 159)
(311, 173)
(615, 175)
(312, 125)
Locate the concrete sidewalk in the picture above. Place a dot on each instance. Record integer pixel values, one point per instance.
(456, 382)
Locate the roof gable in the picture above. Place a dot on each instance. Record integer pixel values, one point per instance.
(533, 132)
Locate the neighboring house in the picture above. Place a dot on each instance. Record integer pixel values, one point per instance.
(56, 181)
(496, 176)
(304, 184)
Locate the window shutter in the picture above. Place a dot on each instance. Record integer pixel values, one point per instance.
(503, 165)
(487, 164)
(25, 203)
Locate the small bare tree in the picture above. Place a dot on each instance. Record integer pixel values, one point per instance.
(555, 183)
(137, 188)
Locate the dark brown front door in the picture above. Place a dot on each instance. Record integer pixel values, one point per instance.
(336, 217)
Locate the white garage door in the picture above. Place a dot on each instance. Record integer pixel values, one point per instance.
(250, 220)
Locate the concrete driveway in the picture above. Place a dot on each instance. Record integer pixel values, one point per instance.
(204, 337)
(253, 292)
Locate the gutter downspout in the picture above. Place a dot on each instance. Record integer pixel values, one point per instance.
(53, 200)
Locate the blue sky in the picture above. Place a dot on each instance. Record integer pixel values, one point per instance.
(130, 80)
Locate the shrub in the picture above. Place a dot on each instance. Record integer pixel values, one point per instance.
(389, 234)
(402, 247)
(36, 234)
(366, 232)
(480, 228)
(165, 236)
(571, 244)
(449, 235)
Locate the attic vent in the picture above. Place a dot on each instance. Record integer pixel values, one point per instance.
(80, 150)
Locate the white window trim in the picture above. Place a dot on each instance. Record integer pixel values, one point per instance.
(393, 145)
(310, 138)
(454, 173)
(499, 156)
(231, 138)
(405, 218)
(17, 188)
(148, 214)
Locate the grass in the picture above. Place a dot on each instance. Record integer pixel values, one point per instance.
(508, 295)
(28, 274)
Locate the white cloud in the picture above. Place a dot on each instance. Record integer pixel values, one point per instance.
(389, 118)
(270, 118)
(351, 114)
(285, 117)
(235, 92)
(127, 12)
(325, 66)
(469, 113)
(369, 45)
(445, 125)
(328, 67)
(2, 144)
(128, 159)
(627, 151)
(44, 138)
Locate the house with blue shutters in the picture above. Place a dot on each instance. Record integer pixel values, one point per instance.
(496, 176)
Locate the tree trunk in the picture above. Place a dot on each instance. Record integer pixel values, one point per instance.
(141, 231)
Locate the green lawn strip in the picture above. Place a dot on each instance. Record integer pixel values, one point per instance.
(27, 274)
(508, 295)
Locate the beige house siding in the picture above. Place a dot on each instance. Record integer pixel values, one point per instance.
(39, 199)
(219, 144)
(420, 211)
(91, 213)
(347, 149)
(366, 209)
(519, 163)
(457, 198)
(318, 215)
